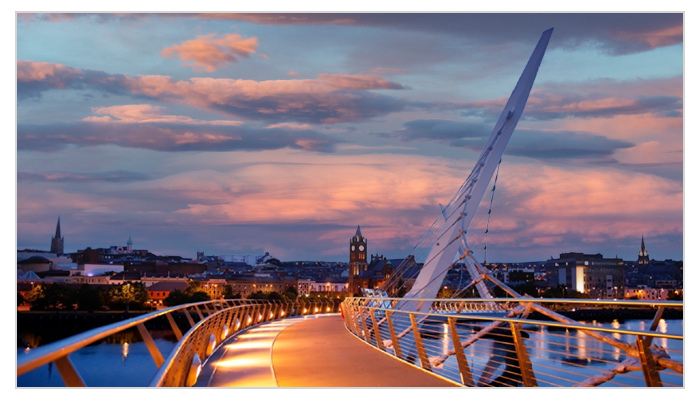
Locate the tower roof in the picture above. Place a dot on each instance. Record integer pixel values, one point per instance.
(58, 228)
(358, 233)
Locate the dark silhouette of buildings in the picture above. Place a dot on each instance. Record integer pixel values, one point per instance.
(57, 240)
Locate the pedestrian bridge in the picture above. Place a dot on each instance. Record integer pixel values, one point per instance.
(370, 342)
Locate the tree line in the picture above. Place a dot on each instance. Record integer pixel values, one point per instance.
(125, 297)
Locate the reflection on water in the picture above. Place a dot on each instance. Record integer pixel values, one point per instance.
(561, 357)
(124, 360)
(120, 361)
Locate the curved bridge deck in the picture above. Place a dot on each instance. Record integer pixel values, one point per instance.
(314, 351)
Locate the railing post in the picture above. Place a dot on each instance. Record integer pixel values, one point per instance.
(70, 376)
(353, 315)
(188, 315)
(394, 337)
(465, 372)
(425, 364)
(377, 335)
(651, 375)
(526, 372)
(173, 326)
(524, 363)
(199, 312)
(365, 332)
(150, 345)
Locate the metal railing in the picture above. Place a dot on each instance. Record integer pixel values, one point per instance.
(529, 342)
(208, 324)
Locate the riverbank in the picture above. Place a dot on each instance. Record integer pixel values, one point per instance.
(43, 327)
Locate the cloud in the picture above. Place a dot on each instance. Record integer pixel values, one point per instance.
(542, 210)
(289, 125)
(537, 144)
(34, 78)
(209, 53)
(330, 98)
(167, 137)
(612, 33)
(146, 113)
(565, 146)
(72, 177)
(601, 98)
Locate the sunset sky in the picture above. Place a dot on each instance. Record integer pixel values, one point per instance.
(281, 133)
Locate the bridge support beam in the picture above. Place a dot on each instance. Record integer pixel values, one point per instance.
(150, 345)
(422, 356)
(70, 375)
(651, 374)
(394, 338)
(526, 372)
(464, 371)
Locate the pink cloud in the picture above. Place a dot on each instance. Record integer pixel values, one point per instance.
(209, 53)
(32, 71)
(329, 98)
(289, 125)
(146, 113)
(657, 38)
(593, 202)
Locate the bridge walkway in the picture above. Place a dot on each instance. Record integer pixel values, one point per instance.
(314, 351)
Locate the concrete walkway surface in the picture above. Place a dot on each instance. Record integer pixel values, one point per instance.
(313, 351)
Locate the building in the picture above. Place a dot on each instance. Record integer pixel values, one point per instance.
(643, 258)
(161, 290)
(590, 274)
(358, 261)
(57, 240)
(647, 293)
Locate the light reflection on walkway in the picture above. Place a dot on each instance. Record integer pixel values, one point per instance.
(246, 359)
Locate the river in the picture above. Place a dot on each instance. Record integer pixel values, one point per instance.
(124, 361)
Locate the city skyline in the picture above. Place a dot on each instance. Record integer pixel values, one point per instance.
(253, 133)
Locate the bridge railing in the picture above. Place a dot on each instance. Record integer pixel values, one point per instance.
(528, 342)
(208, 324)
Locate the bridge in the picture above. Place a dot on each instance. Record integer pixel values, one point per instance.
(382, 339)
(458, 343)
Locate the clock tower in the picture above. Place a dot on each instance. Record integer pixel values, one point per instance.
(358, 259)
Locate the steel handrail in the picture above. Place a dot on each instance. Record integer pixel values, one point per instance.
(53, 351)
(58, 352)
(377, 325)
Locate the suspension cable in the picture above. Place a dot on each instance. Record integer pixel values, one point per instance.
(488, 220)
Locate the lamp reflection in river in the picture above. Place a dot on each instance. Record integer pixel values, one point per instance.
(125, 351)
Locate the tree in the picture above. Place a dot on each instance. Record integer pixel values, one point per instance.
(175, 298)
(127, 295)
(193, 287)
(259, 295)
(199, 296)
(51, 297)
(291, 293)
(89, 299)
(274, 296)
(227, 292)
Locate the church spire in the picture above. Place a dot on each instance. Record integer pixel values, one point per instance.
(57, 241)
(643, 258)
(358, 233)
(58, 228)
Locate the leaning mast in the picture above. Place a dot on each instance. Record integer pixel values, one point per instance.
(459, 213)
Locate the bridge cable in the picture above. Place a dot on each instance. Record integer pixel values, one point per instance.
(493, 192)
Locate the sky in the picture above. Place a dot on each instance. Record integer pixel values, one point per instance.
(281, 133)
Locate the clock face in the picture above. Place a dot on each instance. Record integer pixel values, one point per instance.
(352, 247)
(362, 248)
